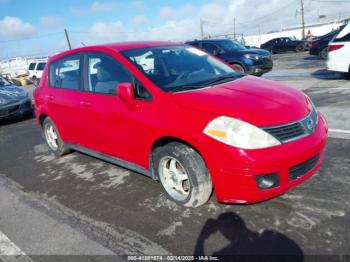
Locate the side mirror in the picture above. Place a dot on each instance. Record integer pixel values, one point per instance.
(126, 93)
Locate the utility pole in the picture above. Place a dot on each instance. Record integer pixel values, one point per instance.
(302, 18)
(234, 28)
(67, 38)
(201, 26)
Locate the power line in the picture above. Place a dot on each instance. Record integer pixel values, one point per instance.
(31, 38)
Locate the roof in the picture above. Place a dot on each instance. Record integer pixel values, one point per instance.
(122, 46)
(139, 44)
(209, 40)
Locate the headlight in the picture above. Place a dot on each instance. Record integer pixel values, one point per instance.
(251, 56)
(239, 134)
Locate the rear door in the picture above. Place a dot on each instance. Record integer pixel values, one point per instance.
(342, 53)
(110, 126)
(63, 98)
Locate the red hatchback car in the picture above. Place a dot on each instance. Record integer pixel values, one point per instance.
(183, 117)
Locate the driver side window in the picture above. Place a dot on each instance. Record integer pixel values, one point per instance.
(105, 73)
(210, 48)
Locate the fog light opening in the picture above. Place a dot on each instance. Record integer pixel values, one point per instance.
(267, 181)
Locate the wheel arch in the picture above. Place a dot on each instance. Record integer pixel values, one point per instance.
(41, 119)
(162, 141)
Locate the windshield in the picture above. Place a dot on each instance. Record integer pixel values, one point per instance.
(231, 45)
(172, 68)
(4, 82)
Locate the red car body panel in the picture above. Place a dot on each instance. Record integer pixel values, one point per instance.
(106, 124)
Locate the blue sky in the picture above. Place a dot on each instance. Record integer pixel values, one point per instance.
(36, 27)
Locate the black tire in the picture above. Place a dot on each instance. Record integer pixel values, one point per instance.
(239, 68)
(61, 149)
(35, 81)
(300, 48)
(324, 53)
(200, 185)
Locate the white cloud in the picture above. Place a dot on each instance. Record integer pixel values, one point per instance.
(139, 20)
(103, 7)
(102, 31)
(50, 21)
(137, 4)
(15, 28)
(169, 13)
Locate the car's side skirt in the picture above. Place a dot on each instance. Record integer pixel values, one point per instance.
(110, 159)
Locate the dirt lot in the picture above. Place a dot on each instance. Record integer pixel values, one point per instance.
(126, 213)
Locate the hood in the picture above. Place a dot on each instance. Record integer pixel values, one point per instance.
(255, 51)
(11, 94)
(255, 100)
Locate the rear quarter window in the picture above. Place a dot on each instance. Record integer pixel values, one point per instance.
(344, 35)
(65, 73)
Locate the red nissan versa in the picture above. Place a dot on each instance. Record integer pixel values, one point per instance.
(183, 117)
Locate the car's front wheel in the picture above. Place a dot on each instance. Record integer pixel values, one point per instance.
(53, 138)
(239, 68)
(183, 174)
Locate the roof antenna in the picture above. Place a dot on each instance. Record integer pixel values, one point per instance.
(83, 44)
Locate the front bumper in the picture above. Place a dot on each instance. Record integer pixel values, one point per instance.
(260, 69)
(234, 170)
(16, 109)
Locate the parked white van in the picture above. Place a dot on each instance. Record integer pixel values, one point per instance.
(339, 51)
(35, 71)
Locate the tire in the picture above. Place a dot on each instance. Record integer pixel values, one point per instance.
(196, 187)
(239, 68)
(300, 48)
(35, 81)
(324, 53)
(59, 149)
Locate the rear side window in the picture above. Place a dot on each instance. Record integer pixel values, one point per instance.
(41, 66)
(65, 73)
(344, 35)
(32, 66)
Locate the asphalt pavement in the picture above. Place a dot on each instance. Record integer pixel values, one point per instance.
(80, 205)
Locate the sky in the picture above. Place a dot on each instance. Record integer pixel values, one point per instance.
(36, 27)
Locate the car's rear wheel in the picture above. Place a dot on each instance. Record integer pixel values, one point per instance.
(35, 81)
(300, 48)
(239, 68)
(324, 53)
(183, 174)
(53, 138)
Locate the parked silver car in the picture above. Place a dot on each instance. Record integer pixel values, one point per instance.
(14, 101)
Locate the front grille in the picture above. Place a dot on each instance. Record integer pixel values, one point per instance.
(293, 131)
(9, 110)
(301, 169)
(287, 132)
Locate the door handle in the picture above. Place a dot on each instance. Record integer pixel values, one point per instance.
(85, 103)
(49, 97)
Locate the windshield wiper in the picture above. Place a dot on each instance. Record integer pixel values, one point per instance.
(222, 79)
(185, 87)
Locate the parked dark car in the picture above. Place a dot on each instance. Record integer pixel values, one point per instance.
(246, 60)
(319, 45)
(14, 101)
(285, 44)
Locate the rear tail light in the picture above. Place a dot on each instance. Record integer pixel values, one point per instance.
(334, 47)
(315, 43)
